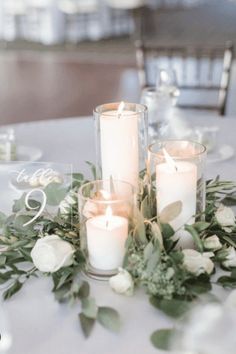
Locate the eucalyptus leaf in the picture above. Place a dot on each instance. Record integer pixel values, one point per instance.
(18, 244)
(229, 200)
(233, 274)
(170, 212)
(109, 318)
(173, 308)
(201, 225)
(19, 204)
(87, 324)
(64, 277)
(195, 236)
(227, 282)
(55, 193)
(229, 240)
(199, 285)
(148, 251)
(3, 259)
(84, 290)
(14, 288)
(153, 261)
(89, 307)
(3, 218)
(167, 231)
(162, 338)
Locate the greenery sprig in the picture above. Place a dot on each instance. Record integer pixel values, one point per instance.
(151, 259)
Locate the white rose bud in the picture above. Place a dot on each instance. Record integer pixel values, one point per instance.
(197, 263)
(230, 259)
(225, 216)
(122, 283)
(212, 243)
(51, 253)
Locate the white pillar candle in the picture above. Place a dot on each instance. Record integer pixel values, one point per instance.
(119, 146)
(178, 183)
(106, 237)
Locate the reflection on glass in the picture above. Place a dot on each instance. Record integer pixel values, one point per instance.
(160, 101)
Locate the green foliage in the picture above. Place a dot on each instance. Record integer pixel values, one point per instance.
(174, 308)
(161, 339)
(109, 318)
(151, 255)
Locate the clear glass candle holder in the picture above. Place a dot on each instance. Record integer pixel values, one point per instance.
(160, 110)
(121, 141)
(106, 213)
(176, 170)
(7, 145)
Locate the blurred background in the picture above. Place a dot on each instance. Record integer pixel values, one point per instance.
(61, 58)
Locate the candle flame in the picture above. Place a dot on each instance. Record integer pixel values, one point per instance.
(169, 160)
(120, 108)
(108, 215)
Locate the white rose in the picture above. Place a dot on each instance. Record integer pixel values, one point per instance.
(122, 283)
(225, 216)
(51, 253)
(230, 259)
(212, 243)
(196, 262)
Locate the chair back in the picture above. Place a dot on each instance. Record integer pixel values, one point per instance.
(197, 70)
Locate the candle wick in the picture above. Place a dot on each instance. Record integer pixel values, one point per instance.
(176, 168)
(107, 224)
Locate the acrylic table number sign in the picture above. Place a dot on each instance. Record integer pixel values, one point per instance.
(121, 140)
(177, 168)
(32, 190)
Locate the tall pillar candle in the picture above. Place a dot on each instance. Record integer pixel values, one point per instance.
(178, 183)
(120, 146)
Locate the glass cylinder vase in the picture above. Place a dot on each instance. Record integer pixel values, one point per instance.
(176, 170)
(121, 141)
(106, 213)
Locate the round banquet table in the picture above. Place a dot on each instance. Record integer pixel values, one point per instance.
(39, 325)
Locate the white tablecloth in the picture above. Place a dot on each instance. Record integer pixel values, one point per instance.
(39, 325)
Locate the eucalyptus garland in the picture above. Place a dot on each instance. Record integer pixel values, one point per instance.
(172, 278)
